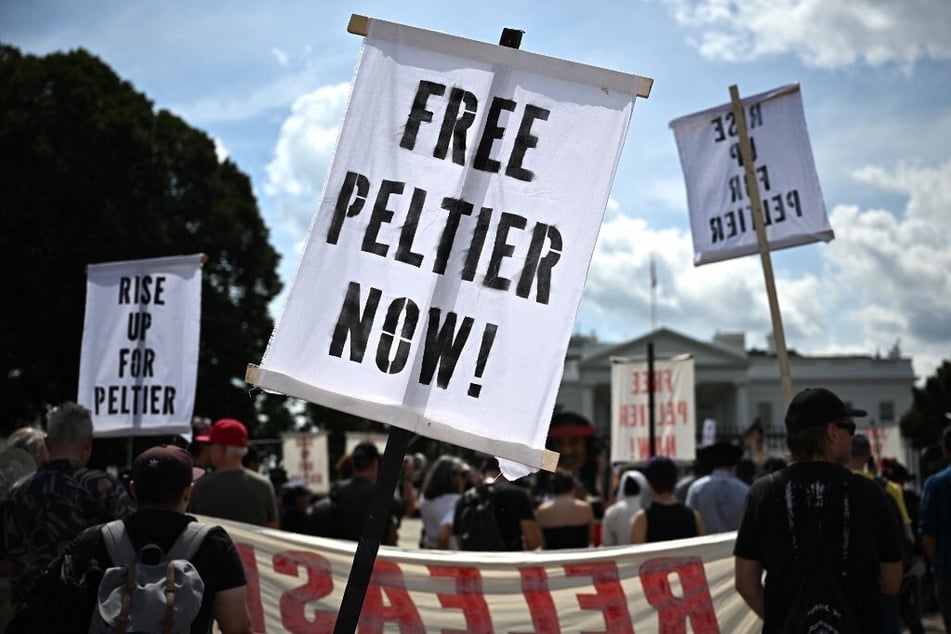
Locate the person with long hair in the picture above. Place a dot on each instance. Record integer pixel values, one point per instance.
(443, 486)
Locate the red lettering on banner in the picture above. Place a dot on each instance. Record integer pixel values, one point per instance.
(468, 598)
(387, 578)
(663, 381)
(663, 446)
(294, 602)
(540, 604)
(255, 609)
(673, 612)
(683, 412)
(609, 596)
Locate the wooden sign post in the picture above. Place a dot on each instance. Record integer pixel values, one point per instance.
(756, 203)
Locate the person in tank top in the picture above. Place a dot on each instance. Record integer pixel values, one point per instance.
(666, 517)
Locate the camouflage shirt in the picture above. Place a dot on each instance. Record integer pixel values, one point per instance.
(43, 512)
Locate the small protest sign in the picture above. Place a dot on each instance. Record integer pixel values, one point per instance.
(139, 358)
(718, 195)
(674, 409)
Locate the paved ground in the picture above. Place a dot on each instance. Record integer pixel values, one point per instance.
(411, 528)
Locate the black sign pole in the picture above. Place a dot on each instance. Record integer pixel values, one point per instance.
(373, 531)
(388, 478)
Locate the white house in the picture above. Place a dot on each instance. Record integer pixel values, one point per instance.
(735, 385)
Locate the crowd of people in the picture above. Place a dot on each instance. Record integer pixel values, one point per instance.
(834, 510)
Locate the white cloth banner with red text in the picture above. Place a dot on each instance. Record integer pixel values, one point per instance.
(296, 583)
(717, 195)
(438, 287)
(139, 359)
(674, 409)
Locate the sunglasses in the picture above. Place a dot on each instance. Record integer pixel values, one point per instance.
(849, 426)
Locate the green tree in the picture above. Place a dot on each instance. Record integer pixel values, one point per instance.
(91, 173)
(927, 417)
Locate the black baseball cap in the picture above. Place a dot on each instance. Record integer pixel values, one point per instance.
(817, 406)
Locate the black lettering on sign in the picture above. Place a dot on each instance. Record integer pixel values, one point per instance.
(380, 215)
(502, 250)
(139, 323)
(523, 141)
(537, 267)
(409, 311)
(455, 127)
(404, 252)
(138, 362)
(418, 112)
(488, 338)
(354, 325)
(456, 208)
(142, 289)
(442, 347)
(490, 133)
(476, 244)
(350, 201)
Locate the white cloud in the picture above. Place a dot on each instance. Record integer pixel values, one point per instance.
(886, 278)
(303, 151)
(823, 33)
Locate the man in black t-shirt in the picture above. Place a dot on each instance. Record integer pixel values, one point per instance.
(161, 485)
(817, 513)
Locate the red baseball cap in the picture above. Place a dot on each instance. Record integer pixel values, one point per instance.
(226, 431)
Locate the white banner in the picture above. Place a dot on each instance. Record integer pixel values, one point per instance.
(674, 409)
(304, 458)
(439, 284)
(717, 195)
(139, 359)
(296, 584)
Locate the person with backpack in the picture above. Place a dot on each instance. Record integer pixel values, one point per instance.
(496, 515)
(45, 511)
(208, 569)
(824, 536)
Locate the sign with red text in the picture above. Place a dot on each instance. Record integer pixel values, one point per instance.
(139, 359)
(296, 583)
(885, 442)
(304, 458)
(718, 200)
(438, 287)
(674, 409)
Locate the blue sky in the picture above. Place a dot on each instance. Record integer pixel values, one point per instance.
(269, 82)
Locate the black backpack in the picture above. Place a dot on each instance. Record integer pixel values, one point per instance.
(819, 604)
(475, 521)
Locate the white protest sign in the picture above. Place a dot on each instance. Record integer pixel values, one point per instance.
(674, 409)
(304, 457)
(718, 199)
(438, 287)
(139, 358)
(885, 441)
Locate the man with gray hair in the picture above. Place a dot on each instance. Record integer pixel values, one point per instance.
(230, 491)
(43, 512)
